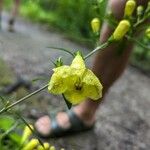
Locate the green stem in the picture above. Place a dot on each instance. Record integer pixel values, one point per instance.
(104, 45)
(9, 130)
(140, 21)
(62, 49)
(136, 41)
(22, 99)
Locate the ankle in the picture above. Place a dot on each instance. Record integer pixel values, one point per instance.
(86, 114)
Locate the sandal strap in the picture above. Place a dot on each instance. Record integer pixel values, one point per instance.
(56, 129)
(76, 123)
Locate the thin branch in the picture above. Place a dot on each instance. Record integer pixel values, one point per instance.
(140, 21)
(22, 99)
(136, 41)
(104, 45)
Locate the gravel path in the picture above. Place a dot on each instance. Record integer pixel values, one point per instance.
(123, 120)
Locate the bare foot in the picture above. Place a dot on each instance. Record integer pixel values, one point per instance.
(43, 124)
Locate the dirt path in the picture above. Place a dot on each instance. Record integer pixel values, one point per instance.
(123, 120)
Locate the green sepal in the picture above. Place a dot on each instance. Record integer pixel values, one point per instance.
(59, 62)
(69, 105)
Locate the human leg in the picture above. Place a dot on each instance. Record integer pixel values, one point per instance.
(14, 13)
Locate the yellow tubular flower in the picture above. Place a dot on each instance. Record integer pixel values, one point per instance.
(129, 8)
(31, 145)
(46, 146)
(122, 28)
(52, 148)
(95, 25)
(26, 134)
(147, 32)
(76, 82)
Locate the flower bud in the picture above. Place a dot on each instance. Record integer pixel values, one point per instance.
(31, 145)
(46, 146)
(26, 134)
(122, 28)
(147, 33)
(52, 148)
(95, 24)
(129, 8)
(140, 10)
(59, 62)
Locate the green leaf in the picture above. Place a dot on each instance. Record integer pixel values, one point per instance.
(6, 122)
(62, 49)
(39, 79)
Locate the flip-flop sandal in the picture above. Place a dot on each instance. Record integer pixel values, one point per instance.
(76, 126)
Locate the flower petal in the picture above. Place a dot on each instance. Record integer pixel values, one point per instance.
(59, 80)
(56, 84)
(74, 96)
(78, 62)
(92, 86)
(63, 71)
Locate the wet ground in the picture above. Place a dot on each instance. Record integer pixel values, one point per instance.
(123, 120)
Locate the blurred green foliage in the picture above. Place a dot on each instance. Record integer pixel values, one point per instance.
(73, 17)
(140, 56)
(9, 138)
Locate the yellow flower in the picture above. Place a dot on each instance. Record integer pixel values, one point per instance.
(31, 145)
(95, 25)
(129, 8)
(122, 28)
(85, 86)
(26, 134)
(76, 82)
(46, 146)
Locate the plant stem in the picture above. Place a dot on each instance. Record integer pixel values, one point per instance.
(140, 21)
(9, 130)
(136, 41)
(62, 49)
(104, 45)
(22, 99)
